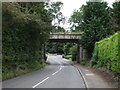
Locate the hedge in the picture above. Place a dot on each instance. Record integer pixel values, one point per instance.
(24, 36)
(107, 53)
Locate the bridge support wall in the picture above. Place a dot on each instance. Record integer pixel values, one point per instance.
(79, 53)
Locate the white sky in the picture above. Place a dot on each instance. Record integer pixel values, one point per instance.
(70, 5)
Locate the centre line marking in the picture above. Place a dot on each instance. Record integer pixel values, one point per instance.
(60, 68)
(55, 73)
(40, 82)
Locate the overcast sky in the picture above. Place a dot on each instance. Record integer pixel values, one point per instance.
(70, 5)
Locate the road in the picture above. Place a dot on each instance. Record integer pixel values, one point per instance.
(59, 74)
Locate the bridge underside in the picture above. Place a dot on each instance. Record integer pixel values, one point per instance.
(64, 40)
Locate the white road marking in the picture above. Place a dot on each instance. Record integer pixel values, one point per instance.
(55, 73)
(89, 74)
(84, 78)
(40, 82)
(60, 68)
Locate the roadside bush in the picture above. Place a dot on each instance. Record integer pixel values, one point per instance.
(73, 52)
(83, 63)
(106, 53)
(23, 38)
(69, 57)
(67, 47)
(55, 47)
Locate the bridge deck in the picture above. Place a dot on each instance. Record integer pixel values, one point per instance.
(65, 36)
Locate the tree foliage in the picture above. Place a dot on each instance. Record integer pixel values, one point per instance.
(115, 13)
(55, 47)
(37, 9)
(58, 29)
(56, 14)
(67, 47)
(24, 35)
(73, 52)
(76, 19)
(95, 24)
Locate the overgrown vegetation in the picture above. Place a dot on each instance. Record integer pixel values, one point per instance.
(66, 48)
(95, 24)
(73, 52)
(24, 35)
(55, 47)
(106, 53)
(115, 14)
(93, 20)
(97, 21)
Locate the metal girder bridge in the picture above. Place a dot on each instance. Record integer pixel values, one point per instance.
(65, 38)
(75, 38)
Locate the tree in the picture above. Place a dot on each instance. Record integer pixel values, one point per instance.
(37, 9)
(73, 52)
(115, 12)
(58, 29)
(55, 47)
(56, 14)
(95, 25)
(24, 35)
(76, 19)
(67, 47)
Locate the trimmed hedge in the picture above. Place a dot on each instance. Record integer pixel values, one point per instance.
(107, 53)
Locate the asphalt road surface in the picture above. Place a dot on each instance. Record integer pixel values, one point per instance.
(59, 74)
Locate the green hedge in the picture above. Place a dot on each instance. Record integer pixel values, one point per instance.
(106, 53)
(23, 37)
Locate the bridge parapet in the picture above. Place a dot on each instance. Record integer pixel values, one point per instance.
(65, 36)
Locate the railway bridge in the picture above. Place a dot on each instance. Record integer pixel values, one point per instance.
(68, 37)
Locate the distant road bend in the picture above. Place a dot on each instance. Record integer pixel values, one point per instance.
(59, 74)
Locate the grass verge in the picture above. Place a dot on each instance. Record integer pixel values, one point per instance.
(15, 73)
